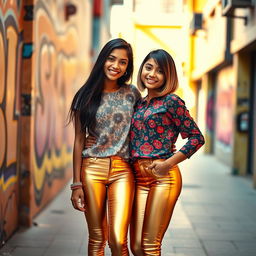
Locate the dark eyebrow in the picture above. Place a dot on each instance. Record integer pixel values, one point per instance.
(148, 64)
(110, 55)
(125, 59)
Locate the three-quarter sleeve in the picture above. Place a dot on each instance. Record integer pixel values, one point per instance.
(185, 124)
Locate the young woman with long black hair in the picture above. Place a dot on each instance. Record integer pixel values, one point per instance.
(157, 121)
(103, 182)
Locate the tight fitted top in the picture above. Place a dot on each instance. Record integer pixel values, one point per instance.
(113, 120)
(156, 126)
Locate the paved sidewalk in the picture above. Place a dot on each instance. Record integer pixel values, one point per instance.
(215, 216)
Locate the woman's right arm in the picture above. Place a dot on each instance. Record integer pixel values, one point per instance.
(77, 196)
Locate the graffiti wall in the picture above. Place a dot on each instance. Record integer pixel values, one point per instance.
(225, 102)
(9, 86)
(44, 58)
(210, 117)
(59, 65)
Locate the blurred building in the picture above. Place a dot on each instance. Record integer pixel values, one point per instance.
(150, 25)
(46, 51)
(223, 71)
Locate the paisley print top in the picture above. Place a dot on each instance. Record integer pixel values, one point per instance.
(156, 126)
(113, 120)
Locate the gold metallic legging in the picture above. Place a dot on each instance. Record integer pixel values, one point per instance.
(108, 185)
(155, 198)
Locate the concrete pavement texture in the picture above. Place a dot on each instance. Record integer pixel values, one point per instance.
(215, 216)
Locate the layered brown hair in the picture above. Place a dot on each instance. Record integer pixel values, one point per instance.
(167, 65)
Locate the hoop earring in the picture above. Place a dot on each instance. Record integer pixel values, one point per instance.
(125, 73)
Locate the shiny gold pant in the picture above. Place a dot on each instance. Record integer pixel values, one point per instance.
(155, 198)
(108, 185)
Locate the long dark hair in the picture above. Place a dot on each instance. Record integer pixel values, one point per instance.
(167, 65)
(88, 97)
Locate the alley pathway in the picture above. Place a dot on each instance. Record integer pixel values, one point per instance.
(215, 216)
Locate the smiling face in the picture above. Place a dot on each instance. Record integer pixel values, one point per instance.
(116, 64)
(152, 76)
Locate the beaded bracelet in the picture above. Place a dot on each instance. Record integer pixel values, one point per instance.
(76, 185)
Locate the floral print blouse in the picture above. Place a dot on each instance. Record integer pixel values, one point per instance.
(156, 125)
(113, 120)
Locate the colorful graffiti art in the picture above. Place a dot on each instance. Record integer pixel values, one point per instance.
(55, 73)
(225, 106)
(42, 60)
(210, 112)
(9, 54)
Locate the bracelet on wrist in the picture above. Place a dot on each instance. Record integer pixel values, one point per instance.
(76, 185)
